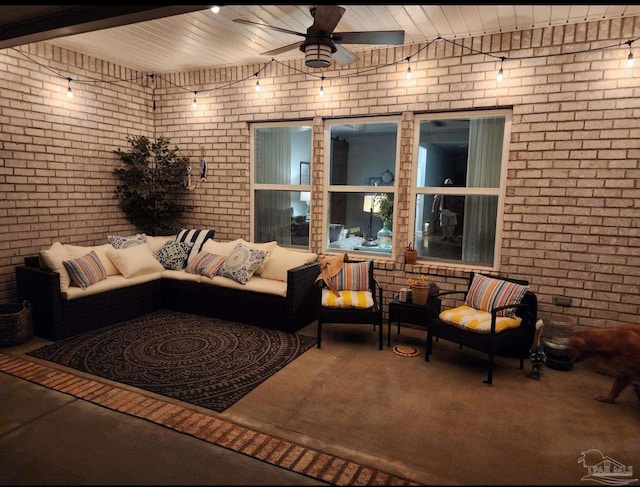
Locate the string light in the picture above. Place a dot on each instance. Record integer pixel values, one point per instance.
(409, 68)
(501, 72)
(194, 105)
(69, 92)
(215, 9)
(630, 56)
(322, 86)
(257, 75)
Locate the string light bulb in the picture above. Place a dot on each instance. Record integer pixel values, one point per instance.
(408, 68)
(69, 92)
(194, 105)
(501, 72)
(630, 56)
(321, 86)
(215, 9)
(257, 82)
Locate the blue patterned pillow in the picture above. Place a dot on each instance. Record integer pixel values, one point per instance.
(242, 262)
(118, 242)
(173, 255)
(86, 270)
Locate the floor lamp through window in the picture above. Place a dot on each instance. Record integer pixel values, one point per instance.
(371, 205)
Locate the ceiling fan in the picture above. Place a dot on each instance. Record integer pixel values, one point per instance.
(321, 43)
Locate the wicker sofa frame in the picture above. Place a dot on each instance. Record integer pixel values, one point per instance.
(55, 317)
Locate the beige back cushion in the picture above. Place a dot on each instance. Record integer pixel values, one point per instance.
(282, 260)
(52, 259)
(135, 260)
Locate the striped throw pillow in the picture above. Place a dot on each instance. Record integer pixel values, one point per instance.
(206, 264)
(353, 276)
(486, 293)
(86, 270)
(197, 238)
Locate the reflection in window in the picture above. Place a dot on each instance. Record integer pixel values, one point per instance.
(281, 183)
(362, 164)
(458, 183)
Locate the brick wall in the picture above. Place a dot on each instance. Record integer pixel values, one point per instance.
(572, 205)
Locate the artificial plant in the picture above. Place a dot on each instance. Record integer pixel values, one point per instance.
(151, 182)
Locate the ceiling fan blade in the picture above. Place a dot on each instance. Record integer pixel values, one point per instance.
(286, 31)
(326, 18)
(343, 56)
(282, 49)
(390, 37)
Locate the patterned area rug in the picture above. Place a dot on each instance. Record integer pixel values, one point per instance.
(208, 362)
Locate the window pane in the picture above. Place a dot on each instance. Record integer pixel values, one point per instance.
(279, 152)
(282, 216)
(356, 222)
(362, 151)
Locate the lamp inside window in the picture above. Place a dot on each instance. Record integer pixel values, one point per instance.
(371, 205)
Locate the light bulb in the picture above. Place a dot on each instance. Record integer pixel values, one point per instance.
(409, 72)
(69, 92)
(321, 92)
(215, 9)
(194, 105)
(257, 85)
(500, 74)
(630, 60)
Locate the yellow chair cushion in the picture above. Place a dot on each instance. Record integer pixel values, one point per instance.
(347, 299)
(478, 321)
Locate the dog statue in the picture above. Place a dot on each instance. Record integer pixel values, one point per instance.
(616, 350)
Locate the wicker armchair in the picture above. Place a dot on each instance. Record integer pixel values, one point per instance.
(370, 316)
(510, 341)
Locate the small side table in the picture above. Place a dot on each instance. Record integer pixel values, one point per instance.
(416, 314)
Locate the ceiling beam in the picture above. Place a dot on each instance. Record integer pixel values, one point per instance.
(62, 21)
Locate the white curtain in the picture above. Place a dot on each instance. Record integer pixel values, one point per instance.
(480, 212)
(273, 166)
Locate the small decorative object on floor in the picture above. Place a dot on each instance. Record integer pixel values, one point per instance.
(536, 354)
(16, 327)
(406, 351)
(410, 254)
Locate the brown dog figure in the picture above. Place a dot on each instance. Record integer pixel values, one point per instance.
(616, 350)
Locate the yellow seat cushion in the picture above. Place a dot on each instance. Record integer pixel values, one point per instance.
(478, 321)
(347, 299)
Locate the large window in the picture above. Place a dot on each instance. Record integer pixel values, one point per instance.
(281, 172)
(361, 184)
(459, 182)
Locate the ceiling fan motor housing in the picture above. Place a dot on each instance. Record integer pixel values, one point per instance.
(318, 51)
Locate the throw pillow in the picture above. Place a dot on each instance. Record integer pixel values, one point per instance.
(206, 264)
(220, 248)
(76, 251)
(118, 242)
(354, 276)
(52, 259)
(487, 293)
(282, 260)
(173, 255)
(267, 247)
(85, 271)
(197, 237)
(242, 263)
(134, 261)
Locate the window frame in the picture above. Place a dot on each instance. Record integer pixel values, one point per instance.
(499, 191)
(363, 189)
(292, 187)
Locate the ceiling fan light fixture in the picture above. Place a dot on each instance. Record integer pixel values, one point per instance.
(318, 55)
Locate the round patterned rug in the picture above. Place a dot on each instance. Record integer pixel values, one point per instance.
(204, 361)
(406, 351)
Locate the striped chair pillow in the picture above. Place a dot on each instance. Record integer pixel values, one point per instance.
(486, 293)
(353, 276)
(86, 270)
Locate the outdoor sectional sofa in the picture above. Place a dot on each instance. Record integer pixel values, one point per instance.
(282, 296)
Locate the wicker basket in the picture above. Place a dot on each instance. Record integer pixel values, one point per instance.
(16, 327)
